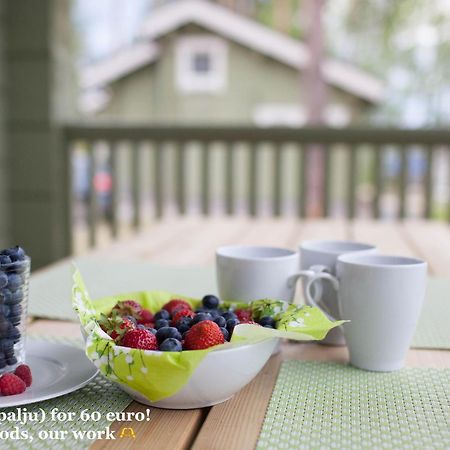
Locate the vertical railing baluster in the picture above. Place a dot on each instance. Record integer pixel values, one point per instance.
(253, 180)
(136, 181)
(326, 181)
(114, 149)
(205, 177)
(229, 178)
(303, 180)
(180, 181)
(378, 157)
(403, 181)
(351, 200)
(428, 210)
(93, 206)
(158, 178)
(277, 178)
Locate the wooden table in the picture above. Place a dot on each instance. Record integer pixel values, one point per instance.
(236, 423)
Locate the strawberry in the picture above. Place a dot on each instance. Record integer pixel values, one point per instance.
(244, 315)
(182, 313)
(202, 335)
(116, 326)
(11, 384)
(176, 303)
(145, 316)
(127, 308)
(141, 339)
(24, 373)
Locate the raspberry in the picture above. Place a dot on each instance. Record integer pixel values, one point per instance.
(24, 373)
(244, 315)
(203, 335)
(145, 316)
(182, 313)
(11, 384)
(141, 339)
(176, 303)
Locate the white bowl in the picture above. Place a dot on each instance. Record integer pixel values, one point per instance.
(221, 374)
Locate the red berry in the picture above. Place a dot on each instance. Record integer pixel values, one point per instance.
(11, 384)
(244, 315)
(116, 326)
(182, 313)
(145, 316)
(176, 303)
(202, 335)
(24, 373)
(141, 338)
(127, 308)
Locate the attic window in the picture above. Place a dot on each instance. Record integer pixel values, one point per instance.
(200, 64)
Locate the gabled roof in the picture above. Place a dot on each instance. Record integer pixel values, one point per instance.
(243, 31)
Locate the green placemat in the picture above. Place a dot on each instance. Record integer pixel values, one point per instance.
(433, 329)
(98, 395)
(318, 405)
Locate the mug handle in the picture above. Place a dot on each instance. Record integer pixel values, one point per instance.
(320, 274)
(310, 273)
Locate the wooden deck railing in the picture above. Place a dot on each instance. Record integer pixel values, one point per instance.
(349, 143)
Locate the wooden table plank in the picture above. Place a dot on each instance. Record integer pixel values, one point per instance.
(431, 241)
(389, 237)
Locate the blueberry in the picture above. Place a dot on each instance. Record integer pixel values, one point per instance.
(171, 345)
(225, 333)
(184, 324)
(152, 330)
(231, 323)
(11, 361)
(200, 310)
(5, 327)
(160, 323)
(3, 280)
(14, 297)
(229, 315)
(167, 332)
(15, 320)
(15, 253)
(5, 310)
(213, 313)
(267, 320)
(14, 281)
(13, 310)
(163, 314)
(6, 345)
(210, 301)
(5, 296)
(200, 317)
(14, 334)
(2, 363)
(5, 259)
(221, 321)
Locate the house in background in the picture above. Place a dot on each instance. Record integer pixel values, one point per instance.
(197, 62)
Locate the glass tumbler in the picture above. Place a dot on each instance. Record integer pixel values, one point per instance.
(14, 278)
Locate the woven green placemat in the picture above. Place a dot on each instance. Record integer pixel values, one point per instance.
(318, 405)
(98, 395)
(433, 329)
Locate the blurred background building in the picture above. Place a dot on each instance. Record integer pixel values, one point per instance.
(114, 114)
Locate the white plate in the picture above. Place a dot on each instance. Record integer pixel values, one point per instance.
(56, 369)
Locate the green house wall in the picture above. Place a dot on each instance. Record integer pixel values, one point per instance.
(150, 95)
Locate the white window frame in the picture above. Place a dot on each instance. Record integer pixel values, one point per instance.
(187, 80)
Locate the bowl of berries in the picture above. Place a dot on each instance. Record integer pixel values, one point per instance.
(172, 351)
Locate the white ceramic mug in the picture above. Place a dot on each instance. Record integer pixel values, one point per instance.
(321, 255)
(246, 273)
(382, 297)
